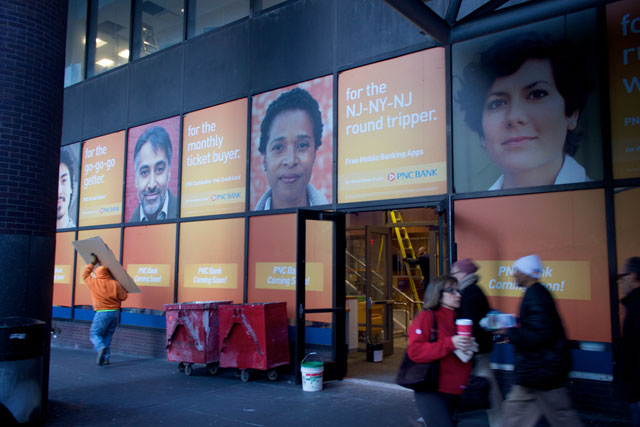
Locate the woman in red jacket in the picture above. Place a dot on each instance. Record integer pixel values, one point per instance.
(442, 298)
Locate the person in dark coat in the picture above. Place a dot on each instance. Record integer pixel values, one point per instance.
(542, 358)
(629, 282)
(424, 263)
(474, 306)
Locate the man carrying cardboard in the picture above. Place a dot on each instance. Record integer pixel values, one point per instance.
(106, 293)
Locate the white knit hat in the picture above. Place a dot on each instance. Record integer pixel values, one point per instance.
(529, 265)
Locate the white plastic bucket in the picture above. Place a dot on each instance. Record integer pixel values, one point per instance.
(311, 371)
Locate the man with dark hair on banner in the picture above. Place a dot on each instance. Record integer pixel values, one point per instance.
(630, 285)
(106, 294)
(152, 164)
(65, 190)
(542, 358)
(290, 134)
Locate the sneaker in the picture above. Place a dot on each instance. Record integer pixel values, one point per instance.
(101, 354)
(106, 362)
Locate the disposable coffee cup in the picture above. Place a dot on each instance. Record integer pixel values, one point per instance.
(464, 327)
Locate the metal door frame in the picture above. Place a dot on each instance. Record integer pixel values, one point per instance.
(388, 302)
(333, 370)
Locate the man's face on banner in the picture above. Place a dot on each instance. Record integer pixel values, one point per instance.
(152, 178)
(64, 192)
(289, 157)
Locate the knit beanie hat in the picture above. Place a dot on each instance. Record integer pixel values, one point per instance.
(529, 265)
(466, 265)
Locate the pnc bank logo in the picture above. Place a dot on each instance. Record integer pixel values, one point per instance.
(416, 174)
(391, 177)
(233, 195)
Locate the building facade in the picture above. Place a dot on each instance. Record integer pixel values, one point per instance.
(231, 150)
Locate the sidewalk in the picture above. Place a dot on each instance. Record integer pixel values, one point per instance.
(145, 391)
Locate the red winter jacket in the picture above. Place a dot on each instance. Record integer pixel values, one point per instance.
(454, 374)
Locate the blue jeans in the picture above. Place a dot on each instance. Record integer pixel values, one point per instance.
(102, 329)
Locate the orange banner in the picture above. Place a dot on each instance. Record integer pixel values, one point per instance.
(101, 180)
(282, 275)
(623, 25)
(564, 279)
(148, 256)
(111, 237)
(211, 260)
(214, 160)
(277, 261)
(401, 100)
(62, 270)
(569, 242)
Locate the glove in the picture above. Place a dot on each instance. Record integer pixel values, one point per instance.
(94, 259)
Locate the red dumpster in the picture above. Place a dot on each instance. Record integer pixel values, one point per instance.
(254, 337)
(192, 334)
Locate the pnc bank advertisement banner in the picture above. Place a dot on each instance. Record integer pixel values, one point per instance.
(148, 256)
(392, 129)
(152, 171)
(63, 269)
(527, 106)
(623, 23)
(101, 180)
(211, 264)
(214, 160)
(68, 186)
(497, 231)
(292, 146)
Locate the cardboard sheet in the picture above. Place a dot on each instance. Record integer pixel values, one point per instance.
(95, 245)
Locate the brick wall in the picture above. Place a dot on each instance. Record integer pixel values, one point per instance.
(32, 45)
(145, 342)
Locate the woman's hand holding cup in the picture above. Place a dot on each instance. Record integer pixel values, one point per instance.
(462, 342)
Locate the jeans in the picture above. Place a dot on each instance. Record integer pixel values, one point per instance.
(102, 329)
(437, 409)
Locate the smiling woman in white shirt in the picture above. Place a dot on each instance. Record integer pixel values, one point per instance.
(524, 97)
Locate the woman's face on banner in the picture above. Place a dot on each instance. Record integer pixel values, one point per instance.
(289, 157)
(524, 120)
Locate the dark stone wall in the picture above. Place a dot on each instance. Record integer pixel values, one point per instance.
(32, 46)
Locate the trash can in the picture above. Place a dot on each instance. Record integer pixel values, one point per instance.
(192, 334)
(22, 341)
(254, 337)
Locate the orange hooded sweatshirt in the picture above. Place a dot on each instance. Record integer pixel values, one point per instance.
(106, 292)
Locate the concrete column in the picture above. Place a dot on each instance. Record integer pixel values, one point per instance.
(32, 47)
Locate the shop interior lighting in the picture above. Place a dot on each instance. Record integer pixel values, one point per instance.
(124, 54)
(100, 42)
(105, 62)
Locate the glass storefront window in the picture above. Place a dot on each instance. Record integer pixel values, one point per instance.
(266, 4)
(159, 24)
(76, 41)
(207, 15)
(112, 34)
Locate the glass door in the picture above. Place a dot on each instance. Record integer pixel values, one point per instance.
(378, 299)
(320, 292)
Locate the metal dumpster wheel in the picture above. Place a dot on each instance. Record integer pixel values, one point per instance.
(236, 373)
(188, 369)
(245, 375)
(181, 366)
(213, 368)
(272, 374)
